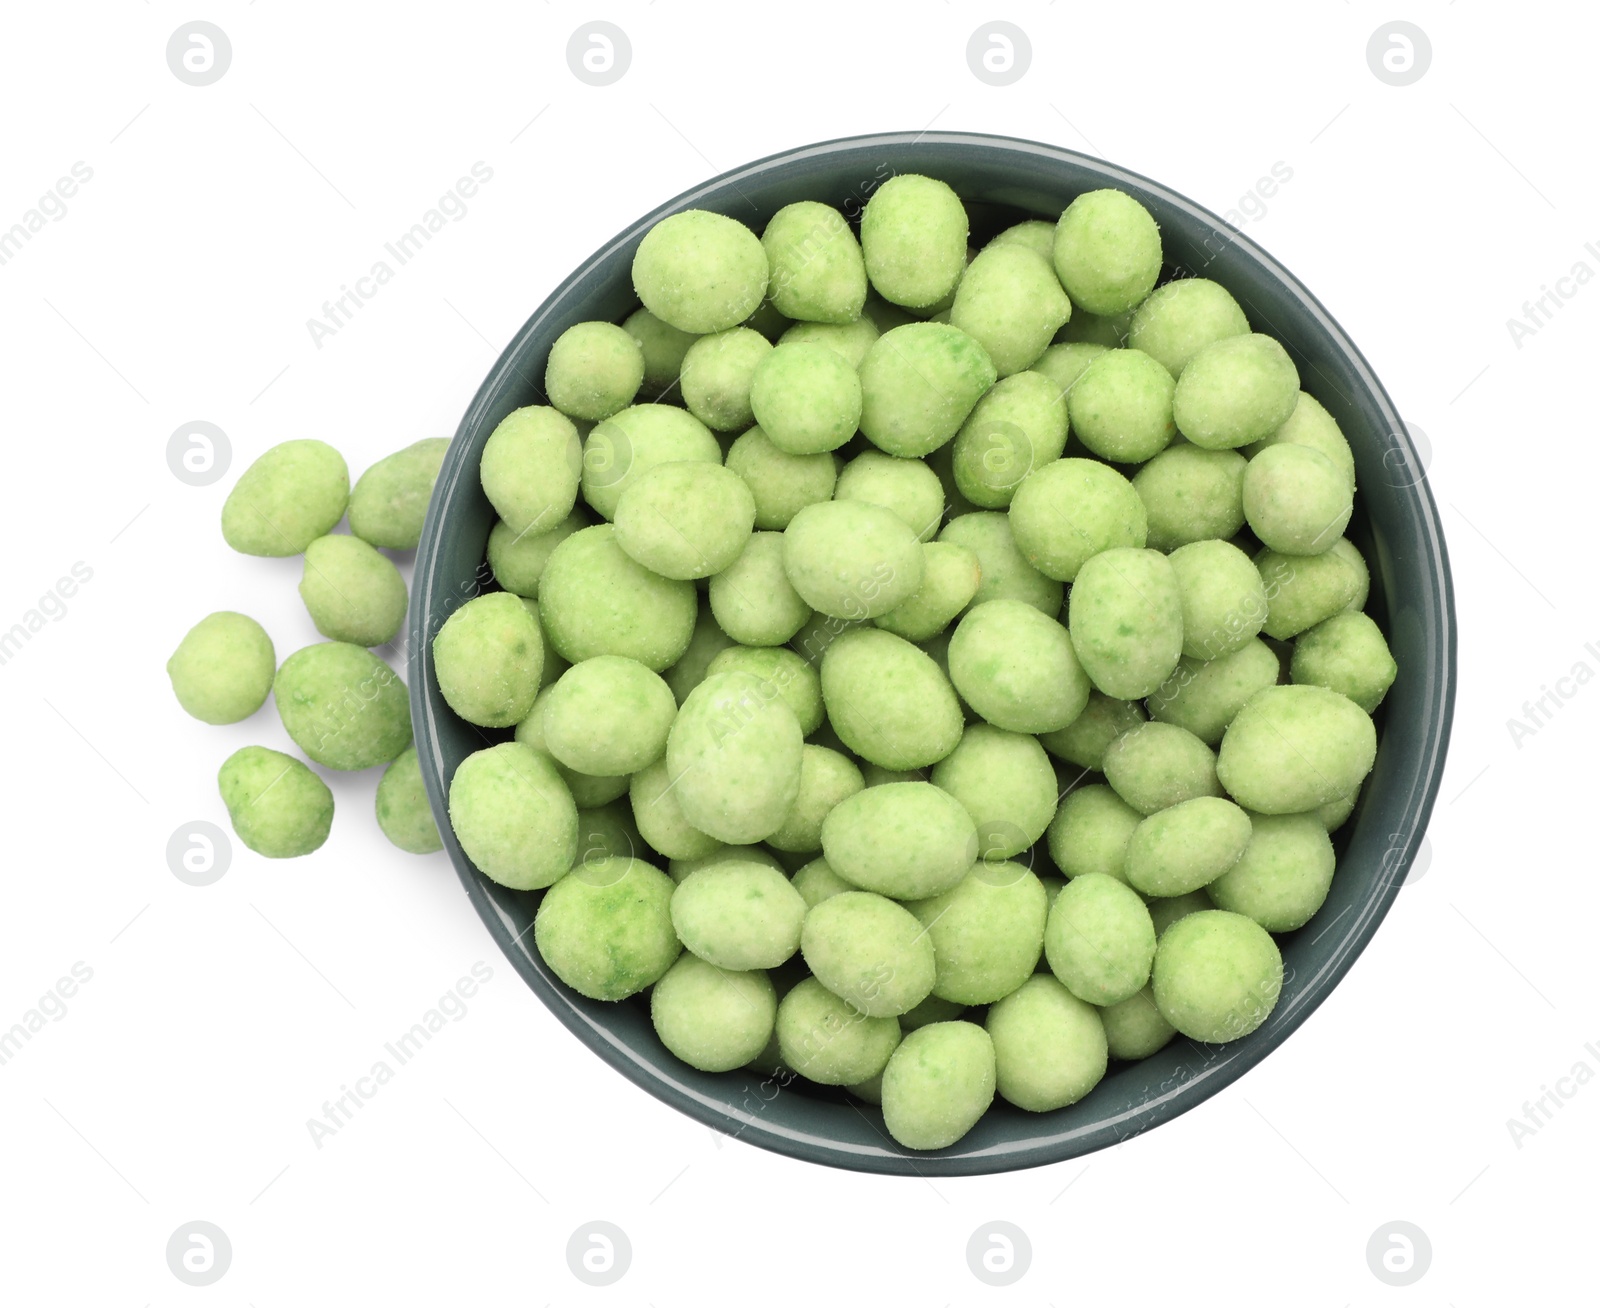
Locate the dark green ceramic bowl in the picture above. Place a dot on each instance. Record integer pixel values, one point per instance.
(1397, 527)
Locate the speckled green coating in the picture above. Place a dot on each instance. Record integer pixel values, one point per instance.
(918, 384)
(402, 806)
(850, 559)
(1283, 875)
(1156, 765)
(1005, 782)
(1085, 328)
(937, 1084)
(594, 369)
(1294, 748)
(390, 499)
(518, 561)
(1084, 741)
(1135, 1028)
(608, 716)
(1204, 696)
(1090, 832)
(1010, 302)
(1313, 426)
(1099, 939)
(1167, 909)
(817, 270)
(817, 881)
(782, 484)
(1191, 494)
(1295, 500)
(662, 345)
(1224, 600)
(1347, 653)
(700, 271)
(1007, 574)
(278, 806)
(628, 444)
(679, 868)
(869, 951)
(1125, 616)
(605, 928)
(1035, 234)
(987, 931)
(223, 667)
(753, 599)
(587, 791)
(1066, 361)
(707, 641)
(594, 599)
(716, 375)
(795, 680)
(768, 321)
(850, 341)
(908, 488)
(888, 701)
(288, 497)
(1235, 391)
(608, 831)
(1186, 846)
(1018, 427)
(1068, 511)
(950, 576)
(738, 915)
(1107, 252)
(1121, 407)
(1336, 813)
(1182, 318)
(806, 398)
(660, 818)
(344, 706)
(1050, 1047)
(1217, 976)
(914, 240)
(827, 778)
(830, 1042)
(352, 592)
(817, 633)
(513, 816)
(487, 659)
(712, 1018)
(530, 468)
(907, 840)
(685, 520)
(734, 757)
(1303, 590)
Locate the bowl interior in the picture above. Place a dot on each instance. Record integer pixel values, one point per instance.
(1396, 525)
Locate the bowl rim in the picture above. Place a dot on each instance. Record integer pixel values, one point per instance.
(1039, 1149)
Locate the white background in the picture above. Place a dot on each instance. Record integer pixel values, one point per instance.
(218, 1019)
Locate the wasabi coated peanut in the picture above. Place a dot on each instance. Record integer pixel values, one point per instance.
(1191, 494)
(1294, 748)
(1224, 600)
(1085, 328)
(530, 468)
(738, 915)
(1065, 362)
(711, 1018)
(278, 806)
(1347, 653)
(660, 819)
(402, 806)
(680, 868)
(587, 791)
(1167, 909)
(1187, 846)
(1217, 976)
(513, 816)
(852, 560)
(1295, 500)
(1135, 1028)
(685, 520)
(1050, 1047)
(1283, 875)
(628, 444)
(888, 701)
(850, 341)
(351, 591)
(827, 778)
(518, 560)
(1313, 426)
(869, 951)
(1019, 426)
(908, 488)
(1090, 832)
(707, 641)
(795, 680)
(662, 345)
(918, 384)
(1303, 590)
(1125, 616)
(716, 377)
(817, 881)
(987, 932)
(931, 1010)
(222, 669)
(607, 831)
(753, 599)
(1235, 391)
(734, 757)
(605, 928)
(937, 1084)
(700, 272)
(1010, 302)
(1107, 252)
(1182, 318)
(1036, 234)
(594, 599)
(1156, 765)
(907, 840)
(1121, 407)
(288, 497)
(950, 577)
(1336, 813)
(1070, 510)
(817, 270)
(608, 717)
(487, 659)
(827, 1041)
(1099, 939)
(1084, 741)
(594, 369)
(768, 322)
(914, 240)
(390, 499)
(806, 398)
(1203, 696)
(1005, 782)
(782, 484)
(1007, 574)
(343, 706)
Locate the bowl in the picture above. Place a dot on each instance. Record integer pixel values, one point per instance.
(1396, 525)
